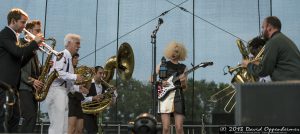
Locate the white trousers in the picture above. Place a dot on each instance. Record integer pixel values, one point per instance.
(57, 104)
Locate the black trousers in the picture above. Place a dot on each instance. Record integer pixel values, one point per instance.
(28, 106)
(9, 117)
(90, 123)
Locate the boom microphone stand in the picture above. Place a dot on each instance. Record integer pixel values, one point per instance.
(154, 84)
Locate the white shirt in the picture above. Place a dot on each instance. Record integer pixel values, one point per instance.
(68, 76)
(99, 89)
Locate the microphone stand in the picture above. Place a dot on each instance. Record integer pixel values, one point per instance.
(154, 76)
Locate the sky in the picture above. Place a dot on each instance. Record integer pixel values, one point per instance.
(209, 35)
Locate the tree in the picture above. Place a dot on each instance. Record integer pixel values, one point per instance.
(135, 97)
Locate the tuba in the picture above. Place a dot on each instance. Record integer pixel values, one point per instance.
(46, 79)
(124, 64)
(241, 75)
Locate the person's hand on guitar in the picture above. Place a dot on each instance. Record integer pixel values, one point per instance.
(182, 78)
(183, 81)
(165, 83)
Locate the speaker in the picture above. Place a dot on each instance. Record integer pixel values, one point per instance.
(268, 104)
(223, 118)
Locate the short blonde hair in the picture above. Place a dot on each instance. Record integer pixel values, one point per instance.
(71, 37)
(172, 46)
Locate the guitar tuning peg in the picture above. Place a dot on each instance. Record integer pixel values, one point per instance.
(192, 64)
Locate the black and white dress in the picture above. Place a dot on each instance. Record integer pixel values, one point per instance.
(174, 100)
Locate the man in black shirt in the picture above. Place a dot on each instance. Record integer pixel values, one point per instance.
(12, 58)
(281, 58)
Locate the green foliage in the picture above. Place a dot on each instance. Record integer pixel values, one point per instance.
(135, 97)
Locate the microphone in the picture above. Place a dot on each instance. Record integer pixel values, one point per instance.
(163, 68)
(225, 73)
(160, 21)
(205, 64)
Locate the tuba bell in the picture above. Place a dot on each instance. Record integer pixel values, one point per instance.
(124, 64)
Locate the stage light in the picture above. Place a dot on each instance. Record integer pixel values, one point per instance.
(145, 123)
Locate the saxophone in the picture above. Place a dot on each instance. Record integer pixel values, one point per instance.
(124, 64)
(46, 79)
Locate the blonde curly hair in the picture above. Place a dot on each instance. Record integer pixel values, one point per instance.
(174, 47)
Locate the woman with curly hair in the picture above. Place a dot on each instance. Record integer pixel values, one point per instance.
(172, 104)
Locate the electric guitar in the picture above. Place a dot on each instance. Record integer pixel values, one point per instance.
(162, 91)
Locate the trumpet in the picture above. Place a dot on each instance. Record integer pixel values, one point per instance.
(50, 49)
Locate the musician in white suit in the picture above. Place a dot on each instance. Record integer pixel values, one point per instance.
(172, 104)
(57, 98)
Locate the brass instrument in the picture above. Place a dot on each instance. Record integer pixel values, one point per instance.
(228, 91)
(46, 79)
(50, 49)
(87, 73)
(9, 102)
(241, 76)
(244, 52)
(124, 64)
(222, 94)
(96, 106)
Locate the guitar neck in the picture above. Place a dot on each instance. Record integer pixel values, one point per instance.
(187, 72)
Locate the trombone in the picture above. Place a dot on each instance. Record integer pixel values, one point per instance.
(258, 57)
(50, 49)
(220, 95)
(230, 90)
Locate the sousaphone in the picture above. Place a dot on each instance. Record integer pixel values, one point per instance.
(124, 64)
